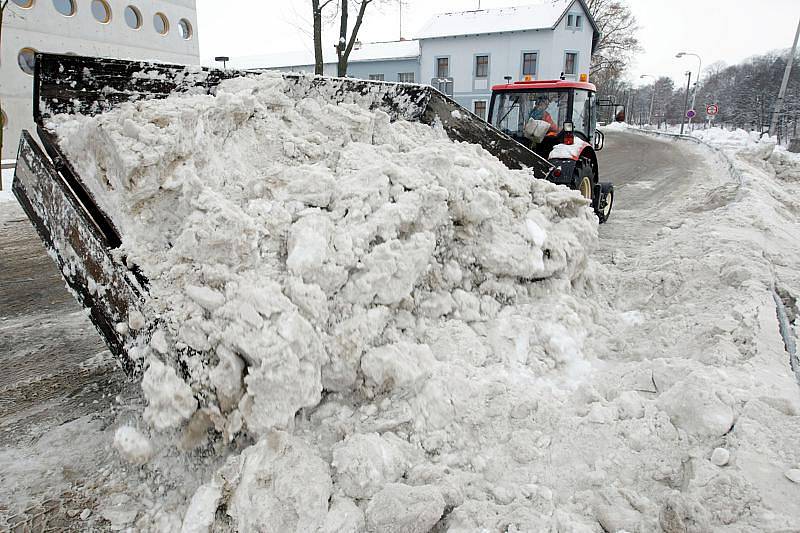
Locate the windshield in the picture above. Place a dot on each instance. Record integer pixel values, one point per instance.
(512, 110)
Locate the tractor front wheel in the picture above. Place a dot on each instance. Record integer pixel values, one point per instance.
(583, 181)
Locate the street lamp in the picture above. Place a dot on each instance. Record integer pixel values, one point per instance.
(697, 80)
(224, 60)
(652, 98)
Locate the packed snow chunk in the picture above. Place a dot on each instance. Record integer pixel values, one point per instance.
(793, 475)
(720, 456)
(288, 376)
(278, 484)
(695, 406)
(363, 463)
(199, 517)
(568, 151)
(205, 297)
(392, 269)
(170, 400)
(136, 320)
(308, 243)
(344, 516)
(226, 379)
(396, 365)
(132, 445)
(400, 508)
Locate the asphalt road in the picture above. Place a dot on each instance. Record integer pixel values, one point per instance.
(647, 172)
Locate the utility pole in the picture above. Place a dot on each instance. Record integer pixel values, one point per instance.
(686, 101)
(784, 83)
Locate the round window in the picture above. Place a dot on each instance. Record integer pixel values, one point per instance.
(101, 11)
(65, 7)
(185, 29)
(27, 60)
(133, 18)
(23, 3)
(161, 23)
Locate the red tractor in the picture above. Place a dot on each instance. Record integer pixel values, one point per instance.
(557, 120)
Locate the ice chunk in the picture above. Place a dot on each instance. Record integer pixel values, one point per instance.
(132, 445)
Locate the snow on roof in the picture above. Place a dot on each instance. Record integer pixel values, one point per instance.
(366, 52)
(544, 15)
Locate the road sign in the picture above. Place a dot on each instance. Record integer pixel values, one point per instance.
(691, 113)
(712, 109)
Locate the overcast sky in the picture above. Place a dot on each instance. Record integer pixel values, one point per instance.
(717, 30)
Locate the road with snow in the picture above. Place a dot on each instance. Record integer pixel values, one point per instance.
(645, 171)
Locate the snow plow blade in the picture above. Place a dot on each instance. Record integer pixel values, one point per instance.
(82, 238)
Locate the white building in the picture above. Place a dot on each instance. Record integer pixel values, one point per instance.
(160, 30)
(463, 54)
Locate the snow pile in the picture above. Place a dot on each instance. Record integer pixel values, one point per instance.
(616, 126)
(751, 145)
(383, 309)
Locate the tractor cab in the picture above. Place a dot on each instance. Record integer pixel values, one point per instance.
(557, 120)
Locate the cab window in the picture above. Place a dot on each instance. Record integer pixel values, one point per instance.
(512, 110)
(581, 111)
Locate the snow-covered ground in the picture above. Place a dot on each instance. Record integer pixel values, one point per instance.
(7, 175)
(644, 387)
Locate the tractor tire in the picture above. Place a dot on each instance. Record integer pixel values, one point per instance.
(605, 202)
(583, 180)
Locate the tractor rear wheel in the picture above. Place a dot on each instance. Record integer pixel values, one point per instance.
(583, 181)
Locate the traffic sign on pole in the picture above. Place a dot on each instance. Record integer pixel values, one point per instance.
(712, 109)
(691, 113)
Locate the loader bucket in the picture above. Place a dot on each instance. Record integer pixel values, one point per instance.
(82, 238)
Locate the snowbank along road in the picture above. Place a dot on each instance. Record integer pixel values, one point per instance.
(652, 390)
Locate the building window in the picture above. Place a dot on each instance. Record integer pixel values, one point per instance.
(101, 11)
(406, 77)
(27, 60)
(529, 60)
(65, 7)
(574, 21)
(25, 4)
(578, 21)
(571, 63)
(133, 18)
(479, 108)
(442, 67)
(376, 77)
(161, 23)
(185, 29)
(481, 66)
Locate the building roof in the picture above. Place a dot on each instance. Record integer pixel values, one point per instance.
(544, 15)
(386, 51)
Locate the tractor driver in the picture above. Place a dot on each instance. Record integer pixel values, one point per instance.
(539, 112)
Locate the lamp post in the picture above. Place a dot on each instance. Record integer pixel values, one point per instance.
(224, 60)
(686, 101)
(697, 81)
(652, 98)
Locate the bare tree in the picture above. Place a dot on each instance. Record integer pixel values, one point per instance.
(345, 45)
(319, 61)
(617, 42)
